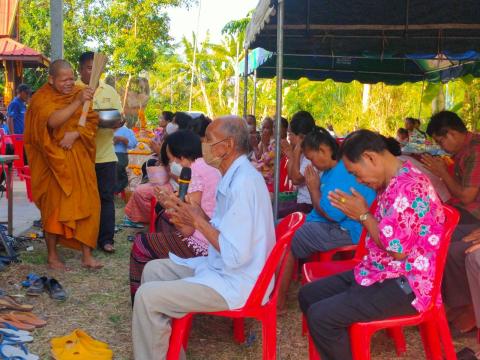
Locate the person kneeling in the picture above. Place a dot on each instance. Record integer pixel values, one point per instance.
(396, 276)
(241, 235)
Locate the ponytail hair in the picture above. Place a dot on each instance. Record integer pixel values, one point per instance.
(319, 136)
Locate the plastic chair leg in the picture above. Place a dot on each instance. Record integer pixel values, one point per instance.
(445, 336)
(269, 335)
(360, 342)
(180, 330)
(396, 334)
(239, 330)
(431, 342)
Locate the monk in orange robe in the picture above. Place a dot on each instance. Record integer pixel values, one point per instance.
(61, 156)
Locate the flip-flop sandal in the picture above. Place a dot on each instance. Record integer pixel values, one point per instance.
(21, 352)
(10, 329)
(28, 318)
(6, 318)
(7, 302)
(9, 339)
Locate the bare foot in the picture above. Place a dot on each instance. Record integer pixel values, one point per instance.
(57, 265)
(92, 264)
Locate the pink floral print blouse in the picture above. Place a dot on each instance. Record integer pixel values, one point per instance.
(410, 220)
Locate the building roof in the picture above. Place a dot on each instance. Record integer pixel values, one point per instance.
(13, 50)
(8, 10)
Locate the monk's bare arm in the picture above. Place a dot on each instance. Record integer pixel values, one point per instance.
(59, 117)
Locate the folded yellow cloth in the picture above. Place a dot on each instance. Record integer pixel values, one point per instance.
(78, 346)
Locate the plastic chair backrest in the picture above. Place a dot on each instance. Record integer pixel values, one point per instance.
(361, 250)
(17, 140)
(285, 182)
(276, 260)
(452, 217)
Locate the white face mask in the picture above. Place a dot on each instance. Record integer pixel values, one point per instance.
(175, 168)
(251, 128)
(171, 128)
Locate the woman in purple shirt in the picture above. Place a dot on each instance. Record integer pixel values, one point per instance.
(396, 276)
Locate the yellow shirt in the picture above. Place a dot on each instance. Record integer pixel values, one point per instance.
(105, 97)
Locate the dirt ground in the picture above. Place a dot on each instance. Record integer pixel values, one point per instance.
(99, 303)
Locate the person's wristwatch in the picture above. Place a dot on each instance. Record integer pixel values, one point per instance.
(364, 217)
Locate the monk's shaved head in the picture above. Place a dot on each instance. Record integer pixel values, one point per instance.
(58, 65)
(61, 76)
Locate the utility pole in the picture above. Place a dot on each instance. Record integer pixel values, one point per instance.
(56, 29)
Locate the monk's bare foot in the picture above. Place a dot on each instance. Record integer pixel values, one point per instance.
(57, 265)
(92, 264)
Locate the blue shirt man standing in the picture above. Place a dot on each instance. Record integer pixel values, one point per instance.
(17, 108)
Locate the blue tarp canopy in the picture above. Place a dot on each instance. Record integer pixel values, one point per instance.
(369, 70)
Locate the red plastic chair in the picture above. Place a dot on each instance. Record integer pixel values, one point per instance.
(19, 164)
(122, 195)
(432, 322)
(153, 215)
(285, 184)
(28, 182)
(253, 308)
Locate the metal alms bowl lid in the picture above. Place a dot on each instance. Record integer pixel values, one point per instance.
(109, 114)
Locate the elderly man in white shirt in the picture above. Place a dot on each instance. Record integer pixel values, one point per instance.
(241, 235)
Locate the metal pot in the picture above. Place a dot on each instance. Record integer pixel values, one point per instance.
(109, 118)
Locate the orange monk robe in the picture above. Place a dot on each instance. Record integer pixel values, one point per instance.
(64, 184)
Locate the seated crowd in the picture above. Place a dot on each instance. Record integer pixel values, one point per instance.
(199, 248)
(207, 252)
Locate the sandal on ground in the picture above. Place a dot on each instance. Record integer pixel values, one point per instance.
(10, 329)
(7, 302)
(10, 339)
(11, 352)
(37, 287)
(466, 354)
(132, 224)
(55, 290)
(28, 318)
(9, 319)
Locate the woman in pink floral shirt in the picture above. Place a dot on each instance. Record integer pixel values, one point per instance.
(396, 276)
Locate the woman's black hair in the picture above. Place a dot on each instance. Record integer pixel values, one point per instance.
(184, 143)
(167, 116)
(183, 120)
(356, 143)
(199, 125)
(392, 145)
(302, 123)
(163, 154)
(319, 136)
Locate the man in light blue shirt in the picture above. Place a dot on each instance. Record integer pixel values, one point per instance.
(123, 140)
(241, 235)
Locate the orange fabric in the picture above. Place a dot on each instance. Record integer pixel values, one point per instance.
(64, 184)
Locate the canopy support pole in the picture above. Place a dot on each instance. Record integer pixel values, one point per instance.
(278, 115)
(254, 106)
(56, 29)
(245, 85)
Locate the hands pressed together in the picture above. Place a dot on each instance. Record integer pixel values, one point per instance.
(180, 213)
(435, 165)
(312, 179)
(353, 205)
